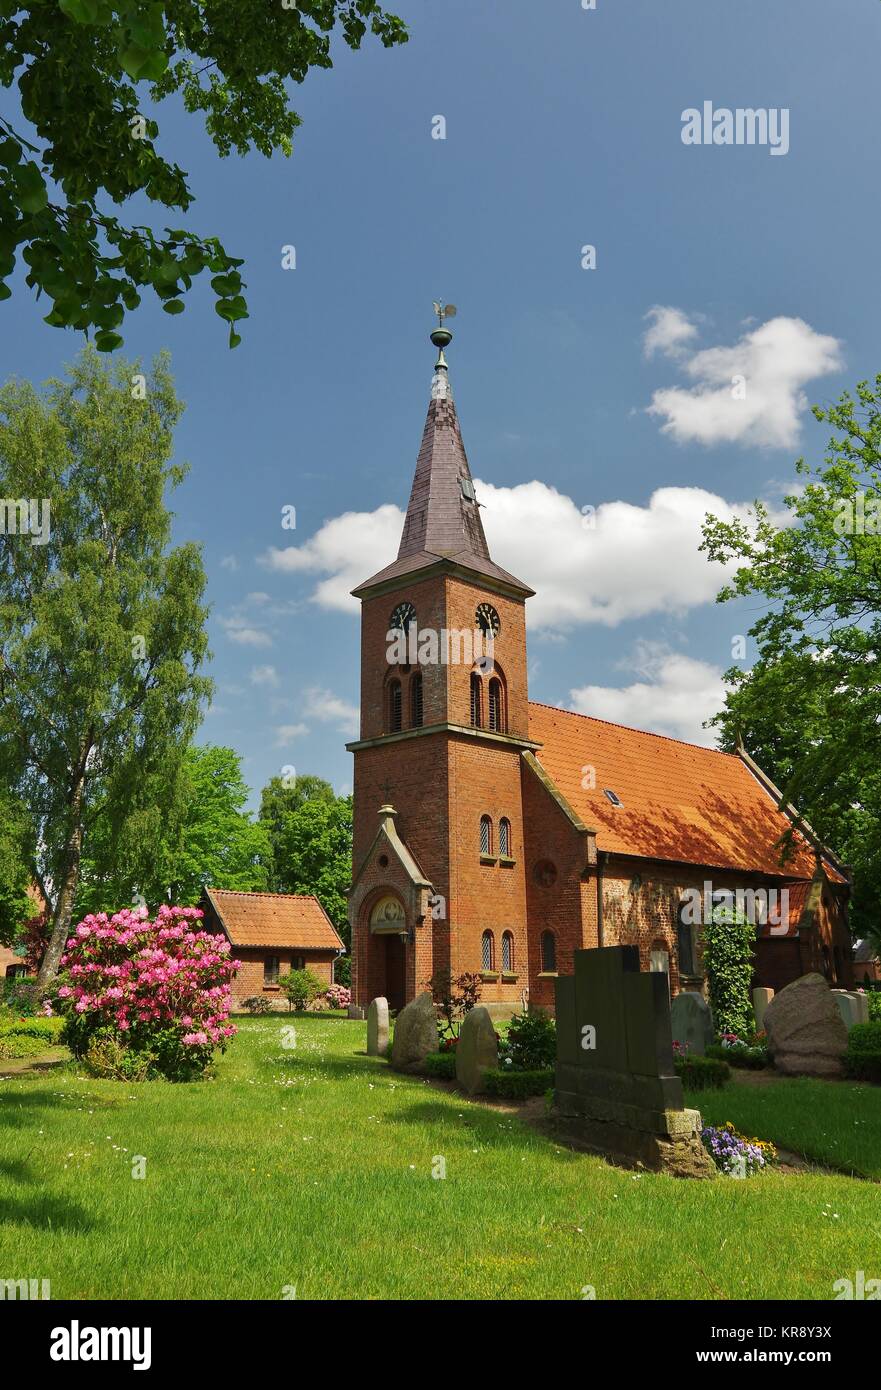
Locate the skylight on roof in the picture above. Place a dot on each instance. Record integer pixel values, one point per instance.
(613, 796)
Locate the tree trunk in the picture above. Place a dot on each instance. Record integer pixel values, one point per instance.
(67, 892)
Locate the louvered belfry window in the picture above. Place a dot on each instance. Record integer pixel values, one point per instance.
(416, 702)
(495, 705)
(475, 701)
(395, 707)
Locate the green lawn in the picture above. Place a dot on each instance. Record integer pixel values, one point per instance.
(836, 1124)
(312, 1168)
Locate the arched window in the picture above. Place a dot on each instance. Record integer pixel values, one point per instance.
(487, 951)
(475, 700)
(548, 951)
(394, 706)
(416, 702)
(486, 835)
(505, 838)
(507, 951)
(496, 706)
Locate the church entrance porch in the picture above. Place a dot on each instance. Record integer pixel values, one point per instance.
(392, 947)
(387, 947)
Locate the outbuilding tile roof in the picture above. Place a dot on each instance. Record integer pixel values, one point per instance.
(275, 919)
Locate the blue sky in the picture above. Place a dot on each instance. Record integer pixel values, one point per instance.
(563, 129)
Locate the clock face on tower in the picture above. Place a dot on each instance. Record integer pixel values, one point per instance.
(403, 616)
(487, 619)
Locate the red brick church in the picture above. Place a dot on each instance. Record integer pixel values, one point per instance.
(497, 835)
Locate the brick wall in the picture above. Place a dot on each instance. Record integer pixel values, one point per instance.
(248, 980)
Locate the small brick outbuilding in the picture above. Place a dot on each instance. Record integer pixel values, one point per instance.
(271, 934)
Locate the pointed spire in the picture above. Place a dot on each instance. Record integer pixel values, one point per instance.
(443, 514)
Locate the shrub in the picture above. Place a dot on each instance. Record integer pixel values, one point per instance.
(159, 989)
(531, 1042)
(862, 1060)
(28, 1037)
(740, 1054)
(728, 940)
(21, 997)
(256, 1004)
(454, 997)
(441, 1064)
(702, 1073)
(734, 1154)
(518, 1085)
(338, 996)
(301, 987)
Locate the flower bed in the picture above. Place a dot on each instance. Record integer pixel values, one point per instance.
(734, 1154)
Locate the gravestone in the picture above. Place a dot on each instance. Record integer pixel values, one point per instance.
(806, 1033)
(357, 1011)
(761, 999)
(617, 1092)
(691, 1021)
(848, 1007)
(415, 1034)
(477, 1050)
(862, 1006)
(377, 1027)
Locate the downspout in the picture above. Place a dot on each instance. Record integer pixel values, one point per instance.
(600, 860)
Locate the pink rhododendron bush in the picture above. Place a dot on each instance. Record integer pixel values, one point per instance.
(145, 998)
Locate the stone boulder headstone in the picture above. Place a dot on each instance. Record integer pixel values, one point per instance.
(691, 1021)
(617, 1092)
(477, 1050)
(761, 999)
(415, 1034)
(377, 1027)
(806, 1032)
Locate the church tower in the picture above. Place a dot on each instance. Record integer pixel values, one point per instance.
(438, 861)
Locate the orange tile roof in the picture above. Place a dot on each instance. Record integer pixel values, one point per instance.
(681, 802)
(275, 919)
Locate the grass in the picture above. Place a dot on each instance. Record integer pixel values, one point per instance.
(312, 1167)
(838, 1124)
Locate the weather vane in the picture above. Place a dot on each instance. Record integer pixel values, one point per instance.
(444, 311)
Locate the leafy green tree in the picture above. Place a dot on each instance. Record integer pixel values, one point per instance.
(201, 835)
(279, 799)
(87, 72)
(810, 708)
(315, 856)
(102, 624)
(16, 858)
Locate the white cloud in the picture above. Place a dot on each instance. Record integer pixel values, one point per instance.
(775, 361)
(285, 732)
(328, 708)
(625, 561)
(675, 695)
(229, 562)
(348, 548)
(264, 675)
(669, 331)
(239, 630)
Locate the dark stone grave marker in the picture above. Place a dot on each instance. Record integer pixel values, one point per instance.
(617, 1092)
